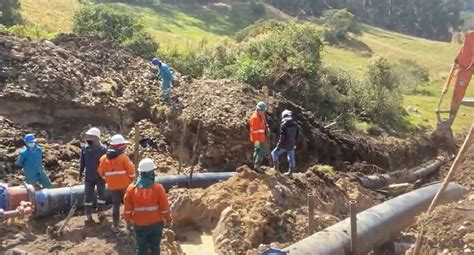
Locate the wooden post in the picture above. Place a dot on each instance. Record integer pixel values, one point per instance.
(136, 152)
(353, 217)
(181, 147)
(195, 153)
(469, 141)
(311, 223)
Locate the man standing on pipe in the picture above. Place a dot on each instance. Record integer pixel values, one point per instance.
(90, 159)
(147, 207)
(31, 159)
(258, 134)
(287, 142)
(118, 171)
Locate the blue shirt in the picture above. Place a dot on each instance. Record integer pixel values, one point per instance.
(165, 72)
(31, 159)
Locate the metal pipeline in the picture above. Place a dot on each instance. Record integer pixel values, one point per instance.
(378, 181)
(50, 201)
(376, 225)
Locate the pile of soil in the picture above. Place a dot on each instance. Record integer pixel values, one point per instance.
(450, 227)
(252, 209)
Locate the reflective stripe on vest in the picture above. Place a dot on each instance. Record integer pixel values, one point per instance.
(146, 209)
(115, 173)
(164, 212)
(259, 131)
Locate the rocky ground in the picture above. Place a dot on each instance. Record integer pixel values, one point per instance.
(61, 88)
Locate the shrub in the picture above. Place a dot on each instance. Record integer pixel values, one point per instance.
(411, 75)
(104, 21)
(338, 24)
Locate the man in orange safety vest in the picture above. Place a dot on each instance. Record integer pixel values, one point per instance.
(258, 134)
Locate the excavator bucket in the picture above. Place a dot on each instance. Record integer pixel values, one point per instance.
(443, 136)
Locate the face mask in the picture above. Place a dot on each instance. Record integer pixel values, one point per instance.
(30, 145)
(89, 142)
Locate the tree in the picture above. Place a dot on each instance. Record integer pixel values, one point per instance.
(104, 21)
(10, 12)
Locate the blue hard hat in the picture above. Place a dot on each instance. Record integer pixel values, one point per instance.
(155, 61)
(261, 106)
(29, 138)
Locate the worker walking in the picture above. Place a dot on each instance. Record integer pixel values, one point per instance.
(167, 78)
(258, 134)
(91, 153)
(118, 172)
(31, 159)
(147, 207)
(287, 142)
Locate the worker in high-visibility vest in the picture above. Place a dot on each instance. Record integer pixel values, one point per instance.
(118, 171)
(147, 207)
(258, 134)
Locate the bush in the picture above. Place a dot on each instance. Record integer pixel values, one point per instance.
(338, 24)
(104, 21)
(381, 94)
(10, 12)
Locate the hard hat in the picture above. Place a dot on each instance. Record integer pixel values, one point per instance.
(94, 132)
(117, 139)
(146, 165)
(261, 106)
(286, 113)
(155, 61)
(29, 138)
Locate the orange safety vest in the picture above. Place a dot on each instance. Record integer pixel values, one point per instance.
(258, 128)
(118, 173)
(148, 206)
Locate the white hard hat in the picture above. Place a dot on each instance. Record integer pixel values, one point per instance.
(93, 131)
(146, 165)
(286, 113)
(117, 139)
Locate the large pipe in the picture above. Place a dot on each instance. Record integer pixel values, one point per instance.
(378, 181)
(375, 225)
(59, 200)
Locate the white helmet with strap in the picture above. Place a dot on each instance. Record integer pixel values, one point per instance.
(146, 165)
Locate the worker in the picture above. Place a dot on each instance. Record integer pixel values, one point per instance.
(147, 207)
(118, 172)
(31, 159)
(167, 78)
(286, 142)
(91, 153)
(258, 134)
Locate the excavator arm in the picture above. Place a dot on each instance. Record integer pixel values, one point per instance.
(462, 71)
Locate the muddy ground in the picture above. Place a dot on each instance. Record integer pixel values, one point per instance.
(59, 89)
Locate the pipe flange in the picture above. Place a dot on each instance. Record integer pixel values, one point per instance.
(30, 191)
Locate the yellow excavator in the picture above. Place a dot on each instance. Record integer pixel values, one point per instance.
(462, 70)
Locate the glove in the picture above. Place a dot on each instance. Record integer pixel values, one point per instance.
(169, 224)
(257, 144)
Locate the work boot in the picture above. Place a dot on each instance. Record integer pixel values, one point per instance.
(290, 172)
(115, 228)
(89, 219)
(101, 215)
(257, 164)
(276, 165)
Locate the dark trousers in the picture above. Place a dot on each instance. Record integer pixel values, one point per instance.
(90, 195)
(149, 237)
(117, 196)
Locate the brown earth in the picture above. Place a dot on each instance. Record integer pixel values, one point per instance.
(450, 227)
(59, 89)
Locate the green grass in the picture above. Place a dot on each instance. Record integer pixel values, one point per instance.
(175, 26)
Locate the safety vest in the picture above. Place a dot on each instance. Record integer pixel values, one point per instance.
(258, 128)
(118, 172)
(146, 206)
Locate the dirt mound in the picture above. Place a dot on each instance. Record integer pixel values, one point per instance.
(252, 209)
(451, 227)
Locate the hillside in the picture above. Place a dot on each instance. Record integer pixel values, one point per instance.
(193, 26)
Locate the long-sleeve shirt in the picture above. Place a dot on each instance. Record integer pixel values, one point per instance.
(89, 161)
(31, 159)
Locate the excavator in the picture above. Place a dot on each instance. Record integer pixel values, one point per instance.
(462, 70)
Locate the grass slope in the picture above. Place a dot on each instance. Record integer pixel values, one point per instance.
(191, 26)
